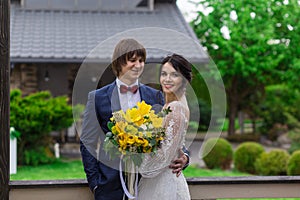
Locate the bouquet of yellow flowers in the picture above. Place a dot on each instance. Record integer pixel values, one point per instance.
(137, 131)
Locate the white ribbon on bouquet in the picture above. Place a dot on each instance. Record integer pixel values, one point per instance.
(127, 193)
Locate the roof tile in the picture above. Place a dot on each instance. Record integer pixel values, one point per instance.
(49, 34)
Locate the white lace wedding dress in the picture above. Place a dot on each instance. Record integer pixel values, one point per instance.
(158, 181)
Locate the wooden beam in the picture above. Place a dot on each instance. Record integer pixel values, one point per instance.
(200, 188)
(4, 98)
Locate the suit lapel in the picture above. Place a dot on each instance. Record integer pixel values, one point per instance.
(113, 97)
(143, 93)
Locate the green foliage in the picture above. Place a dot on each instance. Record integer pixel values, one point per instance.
(193, 126)
(78, 111)
(205, 115)
(272, 163)
(259, 49)
(279, 108)
(245, 156)
(226, 124)
(35, 116)
(14, 133)
(217, 153)
(38, 155)
(293, 166)
(202, 102)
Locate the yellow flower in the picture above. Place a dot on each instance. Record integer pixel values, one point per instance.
(157, 122)
(122, 151)
(133, 115)
(143, 108)
(142, 142)
(134, 129)
(122, 140)
(146, 143)
(120, 126)
(131, 129)
(147, 150)
(114, 130)
(131, 139)
(148, 134)
(140, 134)
(159, 139)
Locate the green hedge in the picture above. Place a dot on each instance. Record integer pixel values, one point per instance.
(245, 156)
(217, 153)
(272, 163)
(293, 166)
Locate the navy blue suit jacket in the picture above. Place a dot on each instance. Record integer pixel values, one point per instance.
(102, 171)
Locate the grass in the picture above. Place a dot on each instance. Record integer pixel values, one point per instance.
(194, 171)
(60, 169)
(73, 169)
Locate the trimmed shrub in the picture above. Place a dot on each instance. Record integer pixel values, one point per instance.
(217, 153)
(293, 167)
(272, 163)
(245, 156)
(294, 135)
(35, 116)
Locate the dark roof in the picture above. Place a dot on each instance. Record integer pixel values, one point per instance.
(69, 36)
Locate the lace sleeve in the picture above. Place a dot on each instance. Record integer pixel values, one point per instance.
(176, 124)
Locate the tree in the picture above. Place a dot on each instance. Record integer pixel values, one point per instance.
(287, 32)
(242, 39)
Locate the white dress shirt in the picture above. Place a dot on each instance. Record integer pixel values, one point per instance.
(128, 99)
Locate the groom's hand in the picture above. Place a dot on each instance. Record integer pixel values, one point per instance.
(178, 164)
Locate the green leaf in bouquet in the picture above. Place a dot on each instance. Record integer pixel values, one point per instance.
(110, 148)
(153, 142)
(110, 125)
(109, 135)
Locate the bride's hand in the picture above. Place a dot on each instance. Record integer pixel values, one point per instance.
(178, 164)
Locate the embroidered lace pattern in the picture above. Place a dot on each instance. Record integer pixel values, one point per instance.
(158, 181)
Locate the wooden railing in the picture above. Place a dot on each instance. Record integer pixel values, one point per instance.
(200, 188)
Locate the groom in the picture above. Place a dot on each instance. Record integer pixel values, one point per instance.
(128, 64)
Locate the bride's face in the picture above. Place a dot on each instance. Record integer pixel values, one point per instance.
(170, 79)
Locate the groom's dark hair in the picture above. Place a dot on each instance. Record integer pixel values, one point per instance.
(124, 50)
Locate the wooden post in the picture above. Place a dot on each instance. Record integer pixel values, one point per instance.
(4, 98)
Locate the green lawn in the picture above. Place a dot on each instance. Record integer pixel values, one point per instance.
(73, 169)
(194, 171)
(64, 169)
(61, 169)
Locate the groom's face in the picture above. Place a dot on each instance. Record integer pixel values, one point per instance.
(132, 70)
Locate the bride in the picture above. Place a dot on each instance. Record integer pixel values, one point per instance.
(158, 181)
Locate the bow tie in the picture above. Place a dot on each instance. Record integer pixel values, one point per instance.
(124, 89)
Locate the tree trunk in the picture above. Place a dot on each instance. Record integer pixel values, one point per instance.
(253, 126)
(232, 115)
(4, 99)
(233, 102)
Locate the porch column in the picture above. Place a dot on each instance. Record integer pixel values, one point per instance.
(4, 98)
